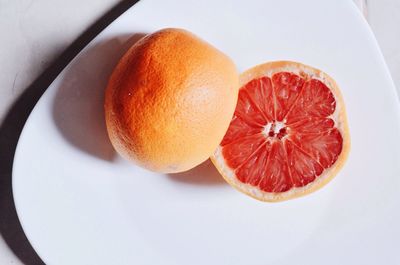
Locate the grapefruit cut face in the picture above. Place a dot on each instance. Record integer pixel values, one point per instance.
(289, 133)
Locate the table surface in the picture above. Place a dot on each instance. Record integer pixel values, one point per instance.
(39, 38)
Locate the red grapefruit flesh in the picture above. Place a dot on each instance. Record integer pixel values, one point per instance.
(289, 133)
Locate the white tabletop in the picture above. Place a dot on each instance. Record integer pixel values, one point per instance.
(35, 36)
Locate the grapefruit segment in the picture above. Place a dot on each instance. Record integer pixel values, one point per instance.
(303, 168)
(240, 129)
(276, 176)
(250, 171)
(324, 147)
(313, 125)
(287, 87)
(316, 100)
(261, 95)
(242, 149)
(289, 133)
(248, 110)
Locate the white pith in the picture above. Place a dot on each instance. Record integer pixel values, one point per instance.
(278, 126)
(338, 117)
(275, 126)
(267, 129)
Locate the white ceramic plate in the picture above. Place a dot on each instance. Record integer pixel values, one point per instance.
(79, 203)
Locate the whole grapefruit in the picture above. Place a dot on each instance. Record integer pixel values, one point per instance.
(170, 100)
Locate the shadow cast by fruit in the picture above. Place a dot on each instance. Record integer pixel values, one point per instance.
(203, 174)
(78, 107)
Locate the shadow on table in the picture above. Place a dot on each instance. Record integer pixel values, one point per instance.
(10, 130)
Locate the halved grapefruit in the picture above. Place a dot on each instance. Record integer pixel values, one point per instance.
(289, 134)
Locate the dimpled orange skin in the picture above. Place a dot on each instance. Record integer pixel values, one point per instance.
(170, 100)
